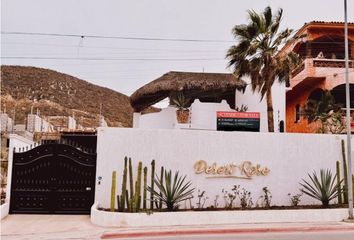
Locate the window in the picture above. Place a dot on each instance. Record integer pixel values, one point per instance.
(281, 126)
(297, 113)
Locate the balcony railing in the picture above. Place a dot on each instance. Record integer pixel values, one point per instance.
(331, 63)
(298, 69)
(321, 63)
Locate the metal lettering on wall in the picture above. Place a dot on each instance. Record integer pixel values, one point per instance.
(244, 170)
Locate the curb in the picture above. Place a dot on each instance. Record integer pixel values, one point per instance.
(220, 232)
(197, 219)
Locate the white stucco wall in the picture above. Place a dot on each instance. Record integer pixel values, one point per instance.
(288, 156)
(252, 101)
(202, 116)
(165, 119)
(15, 142)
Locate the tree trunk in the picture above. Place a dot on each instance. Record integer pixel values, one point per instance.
(270, 110)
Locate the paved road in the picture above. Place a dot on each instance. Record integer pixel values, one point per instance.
(70, 227)
(267, 236)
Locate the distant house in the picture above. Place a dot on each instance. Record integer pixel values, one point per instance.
(7, 123)
(61, 123)
(323, 66)
(37, 124)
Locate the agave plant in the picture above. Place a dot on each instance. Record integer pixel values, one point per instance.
(172, 190)
(323, 188)
(180, 101)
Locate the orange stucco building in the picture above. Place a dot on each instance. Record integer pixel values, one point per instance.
(322, 51)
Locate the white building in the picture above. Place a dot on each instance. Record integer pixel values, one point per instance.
(206, 93)
(71, 123)
(60, 123)
(6, 123)
(37, 124)
(103, 122)
(34, 123)
(46, 126)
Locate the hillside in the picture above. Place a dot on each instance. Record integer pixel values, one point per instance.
(55, 93)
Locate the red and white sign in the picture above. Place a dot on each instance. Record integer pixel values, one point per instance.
(254, 115)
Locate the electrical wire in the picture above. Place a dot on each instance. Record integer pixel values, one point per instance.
(110, 48)
(115, 37)
(112, 59)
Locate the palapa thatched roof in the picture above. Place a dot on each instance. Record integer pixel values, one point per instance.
(192, 84)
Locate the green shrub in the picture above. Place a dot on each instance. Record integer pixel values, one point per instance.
(295, 199)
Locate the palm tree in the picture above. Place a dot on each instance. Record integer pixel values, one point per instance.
(257, 55)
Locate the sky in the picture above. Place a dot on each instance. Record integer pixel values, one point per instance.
(126, 64)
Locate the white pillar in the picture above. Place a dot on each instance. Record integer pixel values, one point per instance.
(136, 119)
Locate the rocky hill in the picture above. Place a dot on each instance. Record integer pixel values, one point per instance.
(55, 93)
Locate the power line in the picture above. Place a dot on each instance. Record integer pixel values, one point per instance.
(109, 55)
(110, 48)
(115, 37)
(113, 59)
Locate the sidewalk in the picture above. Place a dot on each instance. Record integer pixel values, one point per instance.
(79, 227)
(229, 229)
(33, 227)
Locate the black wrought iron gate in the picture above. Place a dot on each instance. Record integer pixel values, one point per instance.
(53, 178)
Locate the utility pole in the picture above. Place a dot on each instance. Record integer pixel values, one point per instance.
(14, 119)
(347, 93)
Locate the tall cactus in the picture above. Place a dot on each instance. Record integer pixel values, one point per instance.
(345, 173)
(138, 187)
(132, 204)
(124, 186)
(161, 179)
(145, 188)
(127, 199)
(152, 184)
(113, 190)
(339, 190)
(118, 202)
(131, 181)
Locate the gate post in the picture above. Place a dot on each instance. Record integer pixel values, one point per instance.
(15, 142)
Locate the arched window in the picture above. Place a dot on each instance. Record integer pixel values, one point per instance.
(339, 95)
(316, 95)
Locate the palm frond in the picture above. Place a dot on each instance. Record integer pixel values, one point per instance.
(268, 17)
(256, 19)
